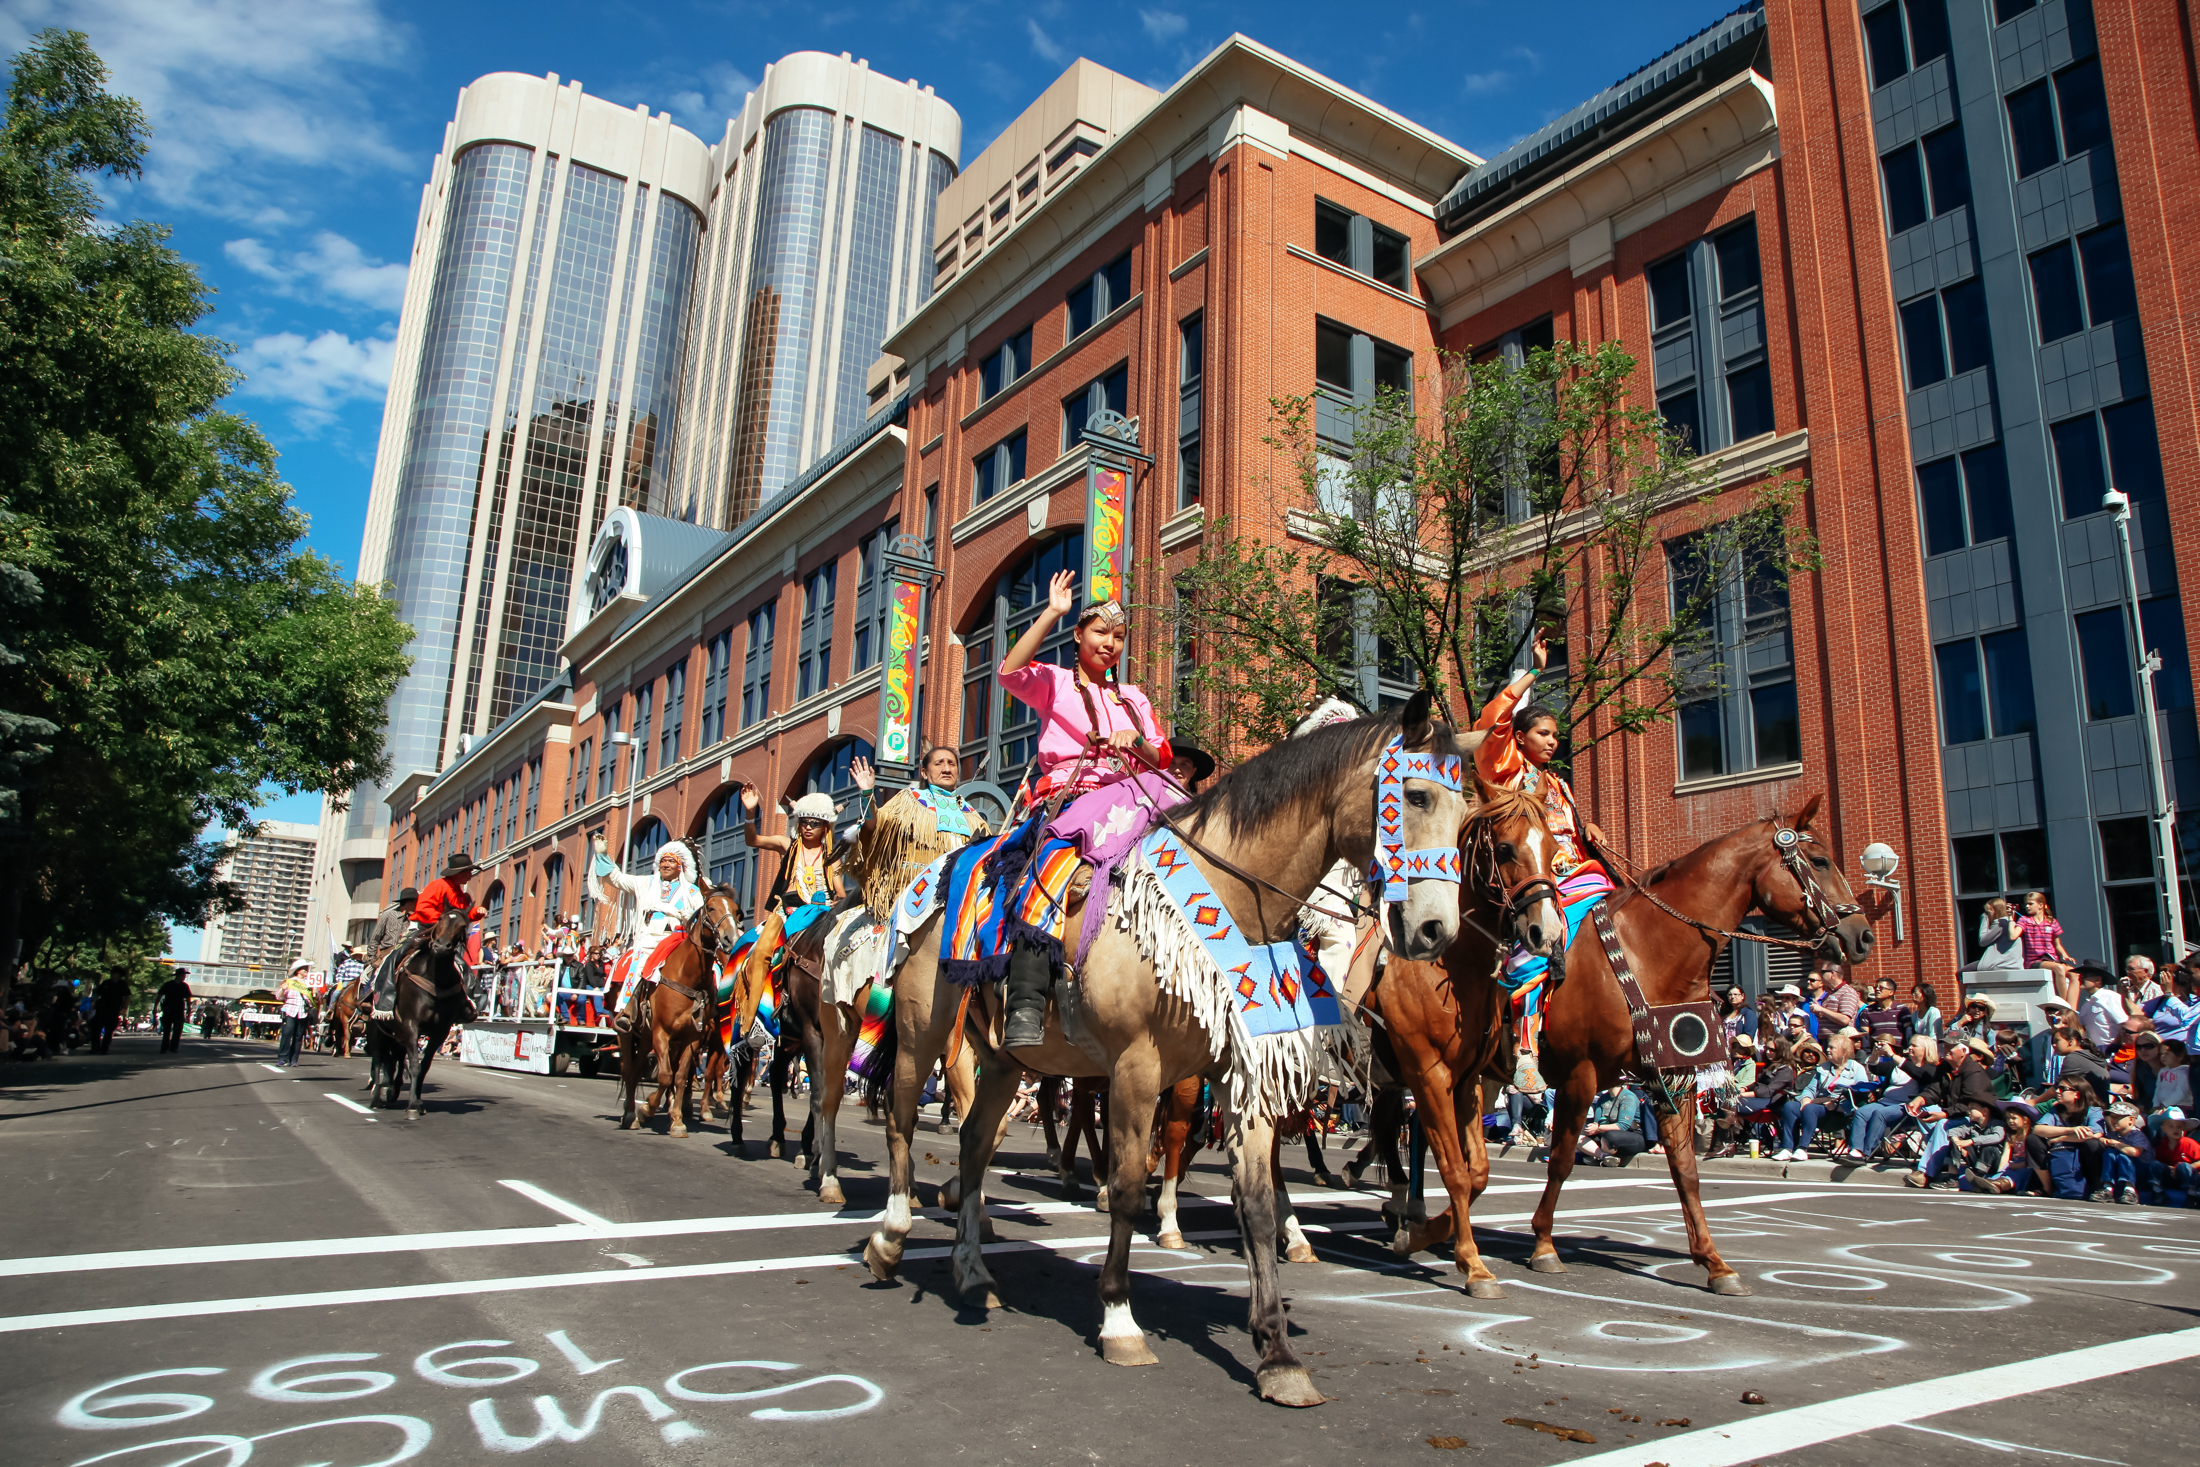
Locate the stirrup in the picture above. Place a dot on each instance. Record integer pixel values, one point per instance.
(1024, 1028)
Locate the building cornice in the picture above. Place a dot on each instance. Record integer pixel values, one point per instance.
(1574, 221)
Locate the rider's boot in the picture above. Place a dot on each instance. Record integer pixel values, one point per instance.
(1030, 974)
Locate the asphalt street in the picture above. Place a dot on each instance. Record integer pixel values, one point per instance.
(214, 1261)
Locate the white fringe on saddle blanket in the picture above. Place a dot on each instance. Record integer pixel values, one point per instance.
(1270, 1075)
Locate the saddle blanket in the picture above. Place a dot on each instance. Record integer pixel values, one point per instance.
(633, 965)
(1578, 895)
(988, 904)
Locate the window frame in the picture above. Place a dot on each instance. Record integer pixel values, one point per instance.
(756, 665)
(1728, 685)
(1191, 379)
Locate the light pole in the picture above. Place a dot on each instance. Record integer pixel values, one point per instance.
(1879, 862)
(2165, 815)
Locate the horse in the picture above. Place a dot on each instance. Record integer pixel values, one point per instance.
(1289, 812)
(427, 1007)
(680, 1005)
(1670, 926)
(1175, 1143)
(345, 1017)
(1435, 1042)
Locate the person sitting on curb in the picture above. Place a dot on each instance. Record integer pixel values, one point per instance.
(2127, 1156)
(1613, 1134)
(2179, 1157)
(1905, 1079)
(2016, 1172)
(1960, 1081)
(2100, 1009)
(1976, 1148)
(2071, 1122)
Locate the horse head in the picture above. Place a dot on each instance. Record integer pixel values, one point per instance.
(1801, 886)
(1425, 762)
(717, 924)
(1505, 859)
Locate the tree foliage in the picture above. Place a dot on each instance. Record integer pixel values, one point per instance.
(169, 651)
(1427, 545)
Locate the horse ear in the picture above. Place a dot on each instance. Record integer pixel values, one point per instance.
(1483, 789)
(1417, 721)
(1803, 817)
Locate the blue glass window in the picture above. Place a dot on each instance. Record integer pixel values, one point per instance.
(1986, 492)
(2134, 450)
(2083, 104)
(676, 678)
(1109, 287)
(2105, 654)
(2055, 291)
(997, 468)
(1004, 366)
(2032, 129)
(1970, 344)
(1962, 693)
(2109, 292)
(756, 671)
(2009, 682)
(867, 293)
(607, 764)
(1940, 504)
(1923, 352)
(714, 688)
(2162, 620)
(1111, 391)
(1884, 43)
(1947, 169)
(2078, 466)
(1904, 177)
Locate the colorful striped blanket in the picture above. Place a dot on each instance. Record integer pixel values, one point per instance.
(1015, 885)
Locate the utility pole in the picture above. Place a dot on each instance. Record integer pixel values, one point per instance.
(2150, 662)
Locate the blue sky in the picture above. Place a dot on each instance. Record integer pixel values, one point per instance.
(291, 138)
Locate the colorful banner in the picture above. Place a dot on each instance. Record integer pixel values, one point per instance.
(1107, 496)
(897, 731)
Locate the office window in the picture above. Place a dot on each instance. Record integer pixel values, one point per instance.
(1360, 244)
(2062, 118)
(607, 761)
(2032, 129)
(516, 929)
(553, 890)
(645, 705)
(1985, 686)
(1947, 170)
(756, 666)
(2105, 655)
(1945, 335)
(1940, 506)
(1005, 365)
(1895, 48)
(1970, 344)
(1332, 356)
(869, 644)
(534, 793)
(1962, 692)
(999, 735)
(2134, 452)
(576, 776)
(492, 912)
(1714, 383)
(814, 654)
(727, 858)
(1191, 366)
(714, 688)
(496, 818)
(511, 809)
(2009, 682)
(2008, 10)
(1109, 287)
(1902, 174)
(1988, 866)
(1739, 709)
(2055, 293)
(2133, 457)
(2128, 884)
(1111, 391)
(997, 468)
(2162, 625)
(676, 680)
(2109, 292)
(2079, 466)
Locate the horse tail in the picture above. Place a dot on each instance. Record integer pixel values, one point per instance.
(878, 1071)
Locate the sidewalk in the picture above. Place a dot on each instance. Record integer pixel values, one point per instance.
(1742, 1168)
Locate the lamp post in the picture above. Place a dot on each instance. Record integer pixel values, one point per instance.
(1879, 862)
(2165, 814)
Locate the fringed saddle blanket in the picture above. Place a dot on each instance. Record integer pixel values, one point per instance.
(1268, 1006)
(1016, 885)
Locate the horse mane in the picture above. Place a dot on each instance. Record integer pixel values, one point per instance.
(1498, 804)
(1284, 776)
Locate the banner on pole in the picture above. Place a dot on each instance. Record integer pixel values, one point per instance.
(1107, 490)
(897, 731)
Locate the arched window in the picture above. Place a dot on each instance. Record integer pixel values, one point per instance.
(514, 928)
(553, 891)
(999, 734)
(830, 772)
(649, 839)
(492, 906)
(727, 859)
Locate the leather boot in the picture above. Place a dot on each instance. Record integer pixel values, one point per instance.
(1029, 977)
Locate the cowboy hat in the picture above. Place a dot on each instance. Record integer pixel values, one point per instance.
(1980, 1000)
(409, 895)
(459, 861)
(298, 963)
(1203, 763)
(814, 807)
(2094, 968)
(1978, 1046)
(1742, 1041)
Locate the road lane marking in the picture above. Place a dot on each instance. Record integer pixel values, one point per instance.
(558, 1204)
(278, 1069)
(1755, 1438)
(348, 1103)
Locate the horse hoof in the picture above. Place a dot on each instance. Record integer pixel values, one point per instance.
(1485, 1289)
(1546, 1263)
(1289, 1385)
(1401, 1243)
(1730, 1286)
(829, 1193)
(1127, 1350)
(414, 1113)
(1171, 1239)
(678, 1130)
(1300, 1252)
(882, 1261)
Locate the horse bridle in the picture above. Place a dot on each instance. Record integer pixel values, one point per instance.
(715, 926)
(1512, 901)
(1829, 913)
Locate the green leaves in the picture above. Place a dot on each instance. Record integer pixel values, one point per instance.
(165, 635)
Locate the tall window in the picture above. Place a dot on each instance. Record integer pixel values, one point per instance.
(1991, 865)
(1739, 709)
(534, 792)
(1925, 179)
(999, 734)
(726, 856)
(496, 818)
(1905, 35)
(2102, 262)
(1190, 371)
(714, 688)
(492, 911)
(813, 668)
(1965, 501)
(2058, 118)
(2104, 652)
(1004, 365)
(553, 890)
(576, 778)
(997, 468)
(1707, 321)
(516, 928)
(648, 839)
(645, 708)
(1109, 287)
(756, 666)
(668, 743)
(1985, 687)
(1513, 349)
(1945, 335)
(1360, 244)
(1111, 391)
(1380, 678)
(2132, 460)
(607, 763)
(869, 640)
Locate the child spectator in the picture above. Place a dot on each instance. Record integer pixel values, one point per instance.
(1977, 1146)
(2172, 1073)
(2043, 945)
(2127, 1156)
(2016, 1174)
(2073, 1122)
(2177, 1153)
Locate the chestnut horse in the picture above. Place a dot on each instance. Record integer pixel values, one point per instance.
(345, 1018)
(1588, 1036)
(680, 1003)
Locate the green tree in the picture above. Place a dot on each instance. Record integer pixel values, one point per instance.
(168, 649)
(1431, 543)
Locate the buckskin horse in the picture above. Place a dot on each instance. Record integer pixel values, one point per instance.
(1670, 925)
(431, 998)
(1289, 813)
(679, 1004)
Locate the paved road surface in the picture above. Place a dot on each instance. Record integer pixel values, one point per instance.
(511, 1275)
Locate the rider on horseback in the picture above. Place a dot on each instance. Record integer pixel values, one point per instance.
(1094, 730)
(445, 893)
(903, 835)
(663, 904)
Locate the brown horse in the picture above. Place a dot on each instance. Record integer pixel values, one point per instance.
(1175, 1144)
(345, 1017)
(681, 1003)
(431, 998)
(1772, 866)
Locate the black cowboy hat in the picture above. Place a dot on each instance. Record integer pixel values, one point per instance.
(459, 861)
(1203, 763)
(409, 895)
(2094, 967)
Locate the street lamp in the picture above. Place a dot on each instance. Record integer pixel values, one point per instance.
(1879, 862)
(2165, 815)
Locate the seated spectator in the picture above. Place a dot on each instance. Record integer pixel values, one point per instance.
(1736, 1014)
(2043, 945)
(1977, 1148)
(1741, 1075)
(1945, 1098)
(1905, 1077)
(1883, 1017)
(2071, 1122)
(2003, 947)
(2179, 1155)
(1613, 1135)
(1925, 1017)
(2127, 1156)
(1518, 1103)
(2138, 988)
(1978, 1018)
(2176, 1013)
(2100, 1010)
(1788, 1012)
(2169, 1073)
(1815, 1092)
(2016, 1172)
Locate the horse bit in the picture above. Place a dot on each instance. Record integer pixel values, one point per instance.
(1829, 912)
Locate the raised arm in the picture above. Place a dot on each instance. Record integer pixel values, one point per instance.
(750, 800)
(1061, 596)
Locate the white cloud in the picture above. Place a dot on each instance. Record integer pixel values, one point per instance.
(334, 270)
(1482, 83)
(1048, 48)
(1162, 25)
(242, 94)
(317, 376)
(702, 102)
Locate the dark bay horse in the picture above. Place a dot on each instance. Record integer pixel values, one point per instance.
(1774, 866)
(679, 1004)
(431, 997)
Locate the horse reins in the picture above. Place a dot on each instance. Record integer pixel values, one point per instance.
(1789, 844)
